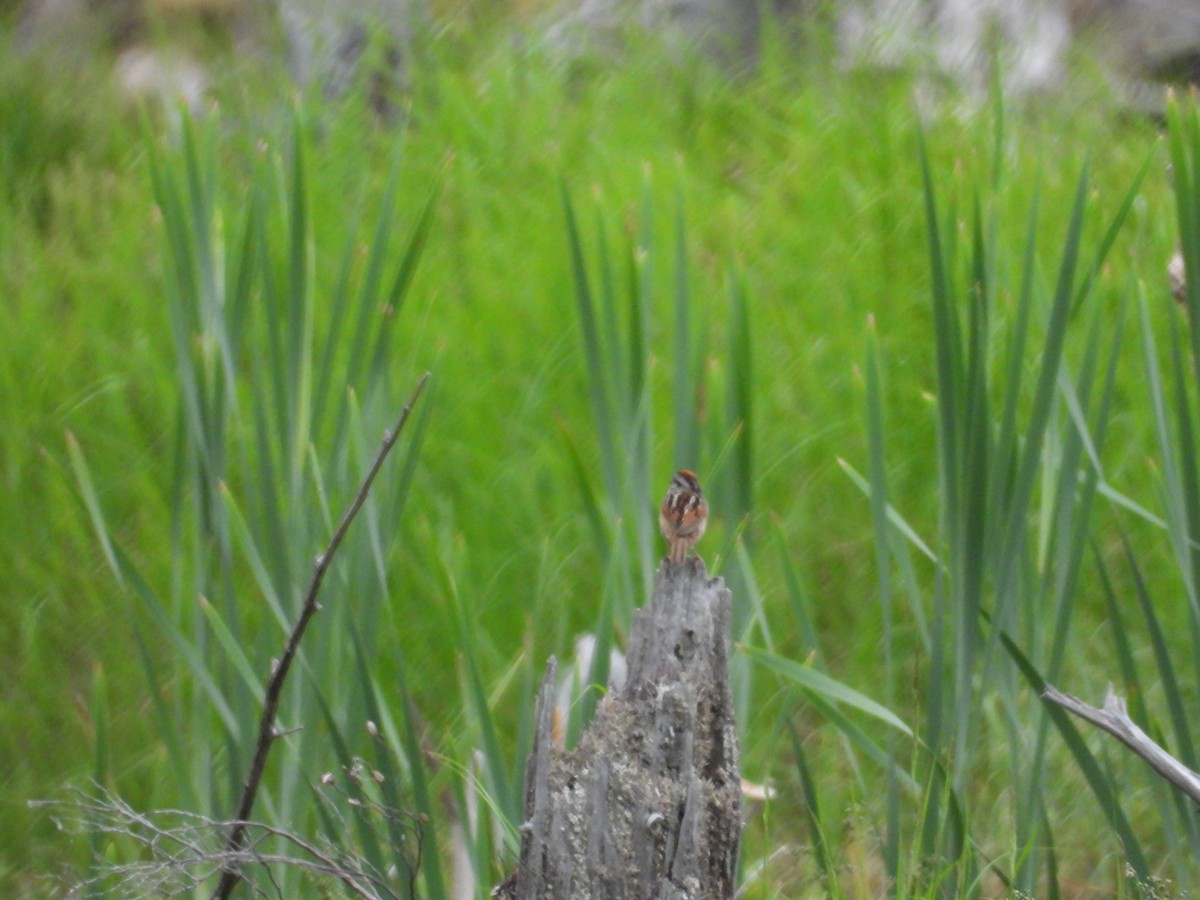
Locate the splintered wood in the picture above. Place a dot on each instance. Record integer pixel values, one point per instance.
(648, 805)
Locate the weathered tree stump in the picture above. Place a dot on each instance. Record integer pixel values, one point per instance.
(648, 805)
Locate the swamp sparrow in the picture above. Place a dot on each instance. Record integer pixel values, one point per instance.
(684, 515)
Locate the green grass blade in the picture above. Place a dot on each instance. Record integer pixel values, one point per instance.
(410, 741)
(196, 664)
(897, 521)
(368, 843)
(101, 722)
(687, 440)
(478, 698)
(252, 680)
(339, 303)
(1185, 162)
(591, 505)
(1052, 877)
(1044, 392)
(755, 604)
(858, 739)
(1114, 229)
(385, 764)
(1100, 784)
(949, 375)
(269, 516)
(610, 336)
(597, 382)
(879, 522)
(739, 405)
(1007, 442)
(1172, 687)
(797, 596)
(299, 299)
(820, 683)
(1189, 478)
(879, 503)
(1131, 684)
(402, 281)
(250, 548)
(812, 812)
(239, 294)
(87, 490)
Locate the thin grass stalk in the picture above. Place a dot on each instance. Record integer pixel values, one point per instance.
(1173, 689)
(597, 379)
(975, 522)
(410, 743)
(1183, 140)
(1093, 772)
(960, 617)
(812, 813)
(739, 407)
(366, 838)
(299, 315)
(499, 778)
(603, 642)
(880, 527)
(640, 317)
(391, 776)
(1073, 500)
(1188, 477)
(1011, 536)
(797, 597)
(1171, 466)
(687, 443)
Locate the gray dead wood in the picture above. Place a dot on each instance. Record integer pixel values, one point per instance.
(1114, 718)
(648, 806)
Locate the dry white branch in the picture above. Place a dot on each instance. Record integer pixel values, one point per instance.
(184, 850)
(1114, 718)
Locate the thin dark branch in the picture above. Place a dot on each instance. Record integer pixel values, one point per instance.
(1114, 718)
(279, 672)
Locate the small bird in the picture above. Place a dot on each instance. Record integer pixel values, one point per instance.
(684, 515)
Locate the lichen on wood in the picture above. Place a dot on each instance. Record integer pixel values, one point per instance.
(648, 805)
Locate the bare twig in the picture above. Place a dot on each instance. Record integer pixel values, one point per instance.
(279, 671)
(1114, 718)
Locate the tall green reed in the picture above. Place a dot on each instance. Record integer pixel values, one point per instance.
(1171, 625)
(1165, 625)
(710, 408)
(1018, 422)
(986, 607)
(286, 380)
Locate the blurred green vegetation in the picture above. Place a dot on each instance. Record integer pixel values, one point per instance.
(790, 202)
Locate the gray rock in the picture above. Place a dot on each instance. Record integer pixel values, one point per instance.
(959, 39)
(1146, 37)
(724, 30)
(327, 40)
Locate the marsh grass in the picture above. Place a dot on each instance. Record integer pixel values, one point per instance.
(612, 282)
